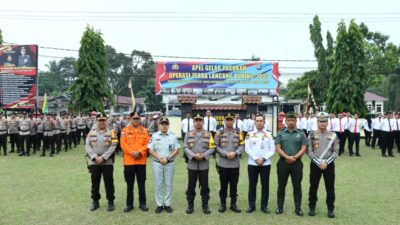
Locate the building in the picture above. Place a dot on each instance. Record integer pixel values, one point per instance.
(374, 102)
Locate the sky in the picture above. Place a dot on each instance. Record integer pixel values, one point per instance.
(271, 30)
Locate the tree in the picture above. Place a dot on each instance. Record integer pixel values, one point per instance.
(91, 88)
(347, 84)
(297, 89)
(1, 37)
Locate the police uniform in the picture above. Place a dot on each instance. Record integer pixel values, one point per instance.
(39, 133)
(101, 143)
(134, 140)
(81, 128)
(164, 146)
(33, 141)
(72, 133)
(3, 134)
(56, 133)
(323, 148)
(48, 142)
(293, 145)
(24, 60)
(259, 145)
(14, 134)
(63, 131)
(198, 142)
(228, 140)
(24, 126)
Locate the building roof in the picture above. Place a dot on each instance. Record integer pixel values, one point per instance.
(369, 96)
(247, 99)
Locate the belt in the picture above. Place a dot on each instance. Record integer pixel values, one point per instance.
(24, 130)
(2, 130)
(63, 129)
(167, 162)
(48, 130)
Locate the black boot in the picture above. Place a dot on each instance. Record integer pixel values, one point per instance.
(205, 208)
(95, 206)
(234, 206)
(110, 206)
(190, 207)
(222, 207)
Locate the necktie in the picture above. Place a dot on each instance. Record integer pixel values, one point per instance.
(208, 123)
(397, 122)
(355, 127)
(340, 125)
(237, 124)
(188, 125)
(331, 124)
(390, 126)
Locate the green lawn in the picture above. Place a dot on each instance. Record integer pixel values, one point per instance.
(56, 190)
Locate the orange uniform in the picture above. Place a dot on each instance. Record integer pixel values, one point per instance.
(134, 139)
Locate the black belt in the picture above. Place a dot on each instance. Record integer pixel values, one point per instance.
(48, 130)
(24, 130)
(2, 130)
(167, 162)
(63, 129)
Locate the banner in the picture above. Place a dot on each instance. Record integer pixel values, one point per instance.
(18, 76)
(217, 78)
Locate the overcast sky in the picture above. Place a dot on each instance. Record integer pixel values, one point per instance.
(273, 30)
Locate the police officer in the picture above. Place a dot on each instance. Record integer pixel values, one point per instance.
(198, 146)
(134, 140)
(81, 128)
(33, 141)
(56, 133)
(323, 150)
(260, 148)
(13, 132)
(3, 133)
(40, 130)
(72, 134)
(164, 147)
(63, 131)
(229, 145)
(100, 146)
(24, 126)
(291, 145)
(24, 59)
(48, 142)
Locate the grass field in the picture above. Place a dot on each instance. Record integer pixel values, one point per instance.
(56, 190)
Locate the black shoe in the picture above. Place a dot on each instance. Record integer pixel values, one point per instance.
(168, 209)
(299, 212)
(189, 209)
(158, 209)
(358, 155)
(384, 155)
(250, 209)
(12, 151)
(143, 208)
(351, 155)
(331, 214)
(128, 208)
(94, 206)
(21, 154)
(311, 211)
(110, 206)
(235, 208)
(42, 155)
(27, 154)
(222, 208)
(279, 210)
(206, 210)
(391, 155)
(265, 210)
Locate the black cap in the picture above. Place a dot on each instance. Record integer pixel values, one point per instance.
(230, 116)
(101, 116)
(135, 115)
(198, 116)
(164, 120)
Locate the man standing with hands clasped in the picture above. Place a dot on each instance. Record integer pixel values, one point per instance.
(291, 145)
(163, 146)
(323, 150)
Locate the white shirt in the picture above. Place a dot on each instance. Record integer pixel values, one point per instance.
(340, 123)
(396, 124)
(259, 145)
(312, 124)
(304, 123)
(331, 124)
(213, 124)
(376, 123)
(250, 125)
(239, 123)
(387, 125)
(354, 124)
(366, 126)
(184, 125)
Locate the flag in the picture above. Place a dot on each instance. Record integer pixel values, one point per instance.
(44, 104)
(308, 96)
(132, 96)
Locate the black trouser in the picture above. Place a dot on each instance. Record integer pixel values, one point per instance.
(354, 137)
(78, 135)
(295, 171)
(118, 148)
(387, 142)
(39, 138)
(107, 171)
(397, 139)
(33, 143)
(24, 141)
(3, 143)
(329, 178)
(14, 139)
(57, 142)
(367, 138)
(140, 172)
(64, 139)
(72, 138)
(342, 141)
(202, 176)
(305, 132)
(377, 134)
(228, 176)
(253, 173)
(48, 142)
